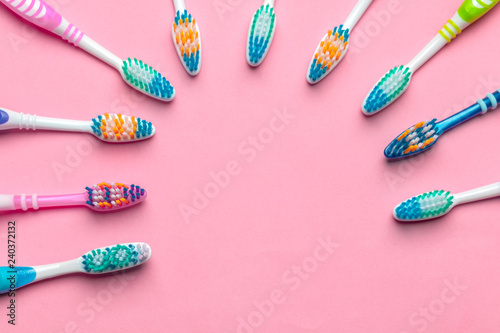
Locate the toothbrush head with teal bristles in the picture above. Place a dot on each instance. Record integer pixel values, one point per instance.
(261, 34)
(424, 206)
(330, 51)
(389, 88)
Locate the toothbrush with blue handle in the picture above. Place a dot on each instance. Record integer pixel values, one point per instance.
(99, 261)
(425, 134)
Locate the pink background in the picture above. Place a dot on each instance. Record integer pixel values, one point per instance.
(321, 177)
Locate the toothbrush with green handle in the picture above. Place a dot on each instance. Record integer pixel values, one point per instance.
(395, 82)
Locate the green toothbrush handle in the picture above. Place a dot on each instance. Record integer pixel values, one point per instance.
(472, 10)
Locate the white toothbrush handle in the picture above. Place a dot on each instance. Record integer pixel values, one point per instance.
(179, 5)
(58, 269)
(269, 2)
(15, 120)
(450, 30)
(485, 192)
(356, 13)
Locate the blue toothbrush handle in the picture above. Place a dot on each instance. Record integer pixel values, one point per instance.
(13, 278)
(491, 101)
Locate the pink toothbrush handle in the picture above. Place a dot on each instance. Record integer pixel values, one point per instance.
(44, 16)
(37, 12)
(25, 202)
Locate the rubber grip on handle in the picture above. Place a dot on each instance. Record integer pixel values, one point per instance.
(36, 12)
(472, 10)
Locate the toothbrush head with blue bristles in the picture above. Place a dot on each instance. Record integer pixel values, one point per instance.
(424, 206)
(389, 88)
(330, 51)
(260, 34)
(187, 40)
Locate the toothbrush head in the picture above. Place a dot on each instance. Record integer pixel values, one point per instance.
(392, 85)
(414, 140)
(147, 80)
(260, 35)
(425, 206)
(115, 258)
(104, 197)
(187, 41)
(332, 48)
(119, 128)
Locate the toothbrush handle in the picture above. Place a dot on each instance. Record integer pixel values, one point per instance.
(356, 13)
(269, 2)
(17, 277)
(179, 5)
(485, 192)
(482, 106)
(41, 14)
(33, 201)
(11, 120)
(472, 10)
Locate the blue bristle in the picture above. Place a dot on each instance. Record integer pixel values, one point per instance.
(409, 210)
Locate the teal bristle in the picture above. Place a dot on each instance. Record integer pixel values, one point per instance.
(114, 258)
(425, 206)
(146, 79)
(261, 33)
(388, 89)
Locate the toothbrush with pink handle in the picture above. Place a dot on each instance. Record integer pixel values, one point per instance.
(136, 73)
(101, 197)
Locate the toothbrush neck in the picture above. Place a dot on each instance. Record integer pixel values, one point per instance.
(485, 192)
(179, 5)
(34, 201)
(53, 270)
(269, 2)
(356, 14)
(469, 113)
(34, 122)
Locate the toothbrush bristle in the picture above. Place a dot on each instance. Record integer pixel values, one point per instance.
(425, 206)
(329, 53)
(414, 140)
(392, 85)
(261, 34)
(187, 41)
(115, 258)
(113, 196)
(121, 128)
(147, 80)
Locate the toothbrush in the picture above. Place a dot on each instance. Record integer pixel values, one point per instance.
(99, 261)
(103, 197)
(333, 47)
(395, 82)
(136, 73)
(425, 134)
(187, 39)
(115, 128)
(261, 33)
(438, 203)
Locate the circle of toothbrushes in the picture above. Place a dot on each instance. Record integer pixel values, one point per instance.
(261, 33)
(425, 134)
(115, 257)
(396, 81)
(103, 260)
(438, 203)
(187, 40)
(330, 51)
(137, 74)
(102, 197)
(114, 128)
(387, 90)
(106, 196)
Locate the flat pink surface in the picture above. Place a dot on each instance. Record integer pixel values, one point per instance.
(253, 256)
